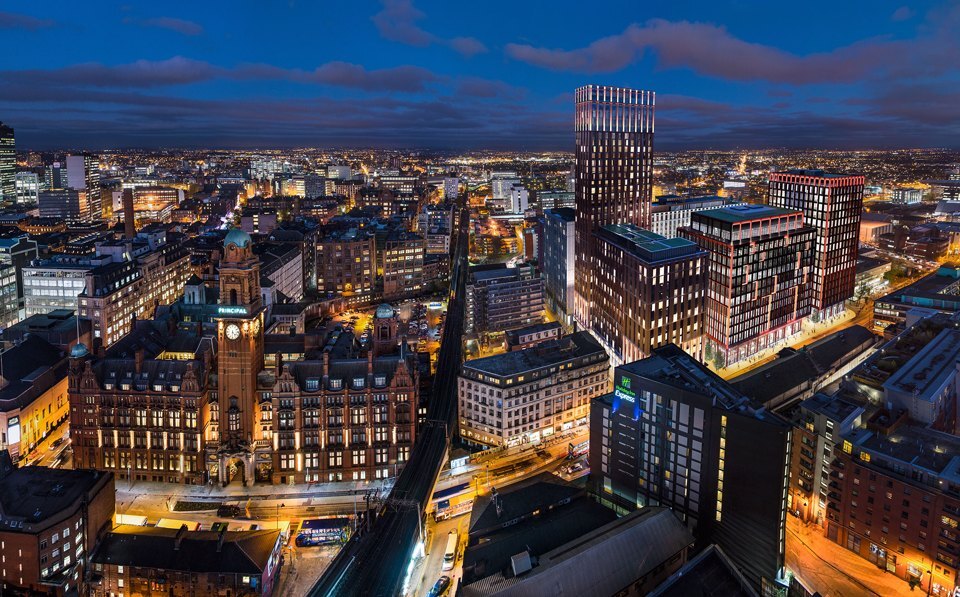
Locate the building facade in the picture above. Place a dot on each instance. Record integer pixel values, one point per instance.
(831, 203)
(8, 164)
(558, 262)
(650, 292)
(346, 264)
(669, 213)
(83, 175)
(759, 268)
(528, 395)
(50, 521)
(673, 434)
(403, 254)
(614, 172)
(504, 298)
(136, 560)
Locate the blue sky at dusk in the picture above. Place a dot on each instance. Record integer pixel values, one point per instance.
(458, 75)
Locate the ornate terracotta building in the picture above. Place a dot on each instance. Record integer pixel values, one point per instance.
(169, 403)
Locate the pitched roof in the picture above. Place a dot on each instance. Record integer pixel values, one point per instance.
(242, 552)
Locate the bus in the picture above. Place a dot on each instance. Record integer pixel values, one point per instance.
(452, 501)
(323, 531)
(450, 555)
(576, 451)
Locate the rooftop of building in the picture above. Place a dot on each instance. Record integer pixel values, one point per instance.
(795, 367)
(686, 201)
(33, 494)
(670, 365)
(895, 354)
(937, 285)
(834, 407)
(567, 214)
(56, 320)
(600, 560)
(865, 263)
(934, 365)
(645, 244)
(917, 446)
(535, 328)
(711, 573)
(545, 354)
(745, 213)
(483, 273)
(239, 552)
(816, 173)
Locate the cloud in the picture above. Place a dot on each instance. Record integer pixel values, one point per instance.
(173, 24)
(711, 50)
(13, 20)
(408, 79)
(140, 74)
(397, 21)
(98, 118)
(146, 74)
(903, 13)
(478, 87)
(467, 46)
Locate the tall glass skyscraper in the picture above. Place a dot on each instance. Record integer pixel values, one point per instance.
(614, 172)
(8, 164)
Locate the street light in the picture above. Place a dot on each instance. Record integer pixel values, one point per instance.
(278, 514)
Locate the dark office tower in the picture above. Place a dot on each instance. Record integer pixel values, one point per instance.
(8, 164)
(831, 203)
(674, 434)
(614, 172)
(83, 174)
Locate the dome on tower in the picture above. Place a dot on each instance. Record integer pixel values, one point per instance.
(79, 351)
(237, 237)
(385, 311)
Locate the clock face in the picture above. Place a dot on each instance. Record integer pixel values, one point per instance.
(233, 331)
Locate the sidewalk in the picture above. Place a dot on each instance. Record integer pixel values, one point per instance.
(808, 332)
(825, 567)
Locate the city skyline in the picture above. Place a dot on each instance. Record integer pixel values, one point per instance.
(418, 74)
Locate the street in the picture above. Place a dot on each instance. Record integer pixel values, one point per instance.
(825, 567)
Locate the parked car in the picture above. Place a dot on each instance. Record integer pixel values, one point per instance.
(440, 587)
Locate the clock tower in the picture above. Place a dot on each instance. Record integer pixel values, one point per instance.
(240, 355)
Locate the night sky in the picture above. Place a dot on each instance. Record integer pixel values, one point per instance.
(473, 75)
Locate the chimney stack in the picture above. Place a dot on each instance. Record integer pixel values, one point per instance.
(138, 360)
(179, 537)
(223, 532)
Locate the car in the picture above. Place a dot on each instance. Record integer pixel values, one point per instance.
(56, 443)
(440, 587)
(575, 468)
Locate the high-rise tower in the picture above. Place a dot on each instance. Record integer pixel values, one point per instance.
(831, 203)
(83, 174)
(8, 164)
(614, 172)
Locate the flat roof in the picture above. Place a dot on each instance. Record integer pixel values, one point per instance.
(744, 213)
(930, 367)
(545, 354)
(646, 244)
(35, 493)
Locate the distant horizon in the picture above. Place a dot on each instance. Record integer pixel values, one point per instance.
(280, 148)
